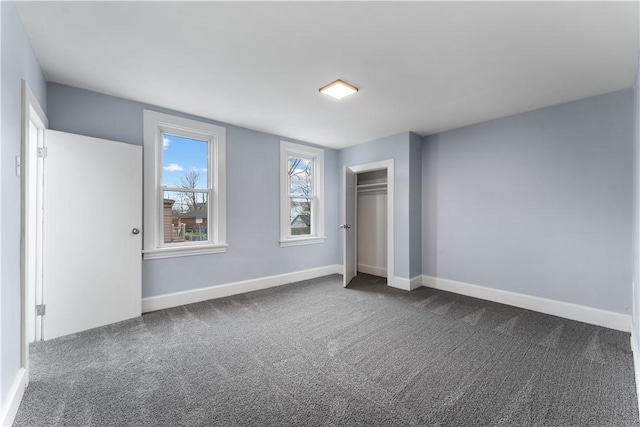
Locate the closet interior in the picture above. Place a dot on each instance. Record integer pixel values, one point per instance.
(372, 222)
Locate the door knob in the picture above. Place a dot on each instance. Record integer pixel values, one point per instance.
(135, 231)
(345, 226)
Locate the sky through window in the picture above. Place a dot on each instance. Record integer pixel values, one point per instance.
(181, 156)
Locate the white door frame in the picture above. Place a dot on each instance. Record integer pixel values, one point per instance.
(29, 229)
(375, 166)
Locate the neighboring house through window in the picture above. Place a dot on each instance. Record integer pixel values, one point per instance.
(301, 194)
(184, 190)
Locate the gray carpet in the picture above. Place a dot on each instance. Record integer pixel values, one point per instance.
(314, 353)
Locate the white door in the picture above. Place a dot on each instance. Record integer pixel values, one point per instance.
(349, 226)
(92, 240)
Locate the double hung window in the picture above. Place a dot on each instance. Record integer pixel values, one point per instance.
(184, 186)
(301, 194)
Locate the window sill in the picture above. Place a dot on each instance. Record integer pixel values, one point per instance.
(181, 251)
(302, 241)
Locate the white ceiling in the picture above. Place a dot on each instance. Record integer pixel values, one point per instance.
(424, 67)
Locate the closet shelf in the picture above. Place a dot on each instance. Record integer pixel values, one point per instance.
(376, 185)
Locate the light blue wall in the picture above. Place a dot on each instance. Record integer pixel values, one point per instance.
(430, 188)
(395, 147)
(415, 205)
(538, 203)
(18, 62)
(252, 196)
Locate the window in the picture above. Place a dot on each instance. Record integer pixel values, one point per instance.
(301, 195)
(184, 189)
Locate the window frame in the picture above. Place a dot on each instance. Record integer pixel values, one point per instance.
(155, 126)
(317, 235)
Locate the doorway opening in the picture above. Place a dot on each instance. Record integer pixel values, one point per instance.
(368, 237)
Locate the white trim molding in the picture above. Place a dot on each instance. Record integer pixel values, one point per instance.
(302, 241)
(219, 291)
(373, 270)
(581, 313)
(9, 411)
(406, 284)
(31, 182)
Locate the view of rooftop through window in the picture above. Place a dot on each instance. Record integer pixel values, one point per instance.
(185, 179)
(300, 185)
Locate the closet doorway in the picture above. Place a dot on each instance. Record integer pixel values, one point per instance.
(368, 220)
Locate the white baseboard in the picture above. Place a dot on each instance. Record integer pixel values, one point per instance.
(370, 269)
(10, 409)
(399, 283)
(636, 363)
(594, 316)
(406, 284)
(196, 295)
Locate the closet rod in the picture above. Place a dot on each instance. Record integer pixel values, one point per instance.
(372, 190)
(377, 184)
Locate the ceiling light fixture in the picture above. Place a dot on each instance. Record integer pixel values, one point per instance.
(338, 89)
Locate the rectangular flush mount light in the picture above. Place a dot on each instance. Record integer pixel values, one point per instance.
(338, 89)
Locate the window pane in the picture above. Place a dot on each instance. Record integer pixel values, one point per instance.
(185, 162)
(300, 176)
(300, 216)
(185, 216)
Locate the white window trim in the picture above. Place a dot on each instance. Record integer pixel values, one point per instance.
(318, 236)
(155, 124)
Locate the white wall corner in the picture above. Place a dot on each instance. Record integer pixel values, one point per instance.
(12, 403)
(415, 283)
(428, 281)
(219, 291)
(581, 313)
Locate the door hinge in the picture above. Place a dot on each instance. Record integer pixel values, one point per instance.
(40, 309)
(42, 152)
